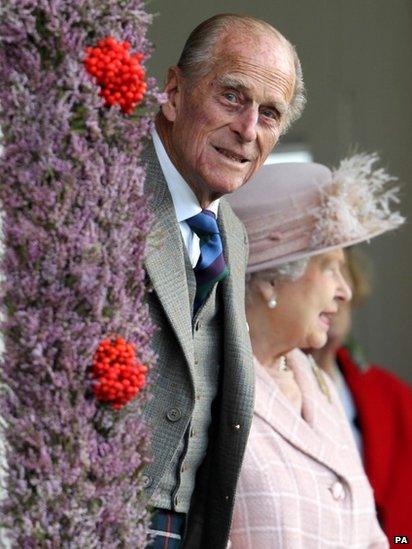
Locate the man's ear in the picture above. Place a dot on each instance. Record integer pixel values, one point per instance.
(173, 89)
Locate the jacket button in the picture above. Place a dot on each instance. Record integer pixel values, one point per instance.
(338, 491)
(236, 427)
(174, 414)
(146, 481)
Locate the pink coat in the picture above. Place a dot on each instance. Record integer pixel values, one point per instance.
(302, 483)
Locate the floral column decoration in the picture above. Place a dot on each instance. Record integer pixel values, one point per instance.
(76, 108)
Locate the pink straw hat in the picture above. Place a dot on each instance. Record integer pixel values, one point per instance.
(297, 210)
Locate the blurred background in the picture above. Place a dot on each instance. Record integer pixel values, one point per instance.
(356, 57)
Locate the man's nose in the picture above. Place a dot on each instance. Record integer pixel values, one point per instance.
(245, 123)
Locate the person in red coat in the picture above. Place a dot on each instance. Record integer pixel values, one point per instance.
(379, 407)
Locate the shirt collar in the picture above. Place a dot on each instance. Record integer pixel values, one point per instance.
(184, 200)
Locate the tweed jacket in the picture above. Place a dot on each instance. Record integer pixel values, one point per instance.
(302, 484)
(169, 411)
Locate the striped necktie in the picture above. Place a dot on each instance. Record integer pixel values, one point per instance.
(211, 266)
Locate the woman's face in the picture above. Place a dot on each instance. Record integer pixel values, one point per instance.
(305, 307)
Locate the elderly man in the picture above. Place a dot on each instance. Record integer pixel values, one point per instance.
(235, 89)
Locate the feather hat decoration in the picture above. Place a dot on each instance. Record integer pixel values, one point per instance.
(296, 210)
(357, 204)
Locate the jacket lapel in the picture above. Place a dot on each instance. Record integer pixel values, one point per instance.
(238, 370)
(319, 434)
(165, 259)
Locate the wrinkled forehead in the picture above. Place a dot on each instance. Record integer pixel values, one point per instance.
(256, 46)
(264, 81)
(259, 60)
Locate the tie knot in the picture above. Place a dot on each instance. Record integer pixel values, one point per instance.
(203, 223)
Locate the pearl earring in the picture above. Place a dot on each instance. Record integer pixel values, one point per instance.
(272, 303)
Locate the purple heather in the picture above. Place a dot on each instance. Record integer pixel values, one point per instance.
(74, 224)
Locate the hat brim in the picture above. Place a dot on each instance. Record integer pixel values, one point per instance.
(265, 265)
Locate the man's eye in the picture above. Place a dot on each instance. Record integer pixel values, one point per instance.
(230, 96)
(270, 113)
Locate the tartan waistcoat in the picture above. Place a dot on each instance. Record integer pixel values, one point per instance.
(177, 483)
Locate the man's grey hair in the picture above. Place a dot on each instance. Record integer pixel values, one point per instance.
(197, 55)
(293, 270)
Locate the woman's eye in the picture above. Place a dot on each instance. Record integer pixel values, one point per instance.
(335, 270)
(329, 268)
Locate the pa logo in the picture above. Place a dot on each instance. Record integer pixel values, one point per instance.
(400, 539)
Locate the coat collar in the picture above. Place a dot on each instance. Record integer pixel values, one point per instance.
(319, 433)
(165, 260)
(239, 372)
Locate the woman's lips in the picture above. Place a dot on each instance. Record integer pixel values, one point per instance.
(326, 319)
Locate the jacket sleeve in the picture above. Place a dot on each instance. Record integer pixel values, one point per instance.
(378, 538)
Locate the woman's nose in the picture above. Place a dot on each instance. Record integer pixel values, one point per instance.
(344, 290)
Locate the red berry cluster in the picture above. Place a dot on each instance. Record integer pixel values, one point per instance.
(118, 376)
(119, 74)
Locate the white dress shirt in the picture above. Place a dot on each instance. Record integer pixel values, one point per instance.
(184, 200)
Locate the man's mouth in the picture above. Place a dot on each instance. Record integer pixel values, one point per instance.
(232, 155)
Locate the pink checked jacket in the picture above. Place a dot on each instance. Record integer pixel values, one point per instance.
(302, 483)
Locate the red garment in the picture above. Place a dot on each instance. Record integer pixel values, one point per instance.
(384, 408)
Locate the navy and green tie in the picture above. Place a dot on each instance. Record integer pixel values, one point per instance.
(211, 266)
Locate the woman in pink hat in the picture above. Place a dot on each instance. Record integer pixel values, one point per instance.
(302, 483)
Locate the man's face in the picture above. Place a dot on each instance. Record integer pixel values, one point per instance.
(224, 125)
